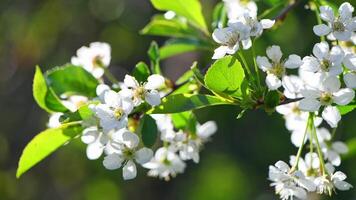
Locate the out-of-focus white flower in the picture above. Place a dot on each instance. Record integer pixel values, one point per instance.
(325, 60)
(93, 58)
(74, 102)
(332, 152)
(327, 93)
(340, 27)
(308, 165)
(276, 69)
(140, 92)
(113, 110)
(54, 120)
(125, 153)
(165, 164)
(237, 8)
(230, 38)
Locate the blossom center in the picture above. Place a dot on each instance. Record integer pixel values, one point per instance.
(128, 153)
(139, 92)
(325, 65)
(326, 98)
(278, 70)
(338, 26)
(118, 113)
(98, 61)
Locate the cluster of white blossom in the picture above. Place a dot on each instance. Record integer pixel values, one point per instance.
(326, 79)
(242, 26)
(109, 132)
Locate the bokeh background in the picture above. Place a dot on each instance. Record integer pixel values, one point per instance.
(48, 32)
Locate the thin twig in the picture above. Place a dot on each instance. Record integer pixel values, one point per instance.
(286, 10)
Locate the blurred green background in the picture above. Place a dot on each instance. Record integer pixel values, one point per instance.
(48, 32)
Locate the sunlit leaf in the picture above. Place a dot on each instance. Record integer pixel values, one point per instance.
(44, 144)
(191, 9)
(226, 76)
(73, 80)
(153, 54)
(178, 46)
(219, 16)
(169, 27)
(44, 95)
(185, 121)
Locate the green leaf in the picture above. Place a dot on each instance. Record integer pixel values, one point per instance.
(178, 46)
(141, 72)
(176, 27)
(346, 109)
(148, 130)
(72, 79)
(190, 9)
(185, 121)
(44, 144)
(153, 54)
(185, 102)
(226, 76)
(44, 95)
(197, 74)
(83, 113)
(219, 16)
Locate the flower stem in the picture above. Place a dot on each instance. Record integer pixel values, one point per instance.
(318, 148)
(244, 63)
(302, 145)
(317, 13)
(255, 64)
(110, 76)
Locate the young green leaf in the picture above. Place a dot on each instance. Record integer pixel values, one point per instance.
(44, 144)
(185, 102)
(44, 95)
(148, 130)
(178, 46)
(219, 16)
(72, 79)
(190, 9)
(226, 76)
(141, 72)
(185, 121)
(346, 109)
(153, 54)
(161, 26)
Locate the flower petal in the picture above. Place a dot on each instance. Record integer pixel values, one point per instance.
(321, 30)
(293, 61)
(331, 115)
(273, 82)
(94, 150)
(129, 171)
(331, 84)
(309, 104)
(321, 50)
(327, 13)
(274, 53)
(340, 147)
(345, 11)
(220, 52)
(143, 155)
(207, 129)
(154, 82)
(112, 161)
(267, 23)
(350, 80)
(350, 61)
(153, 98)
(344, 96)
(130, 82)
(263, 63)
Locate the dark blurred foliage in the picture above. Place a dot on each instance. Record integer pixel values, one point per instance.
(48, 32)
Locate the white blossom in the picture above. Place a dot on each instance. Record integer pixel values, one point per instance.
(140, 92)
(332, 152)
(113, 110)
(165, 164)
(230, 38)
(276, 69)
(340, 27)
(237, 8)
(125, 153)
(326, 94)
(325, 60)
(93, 58)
